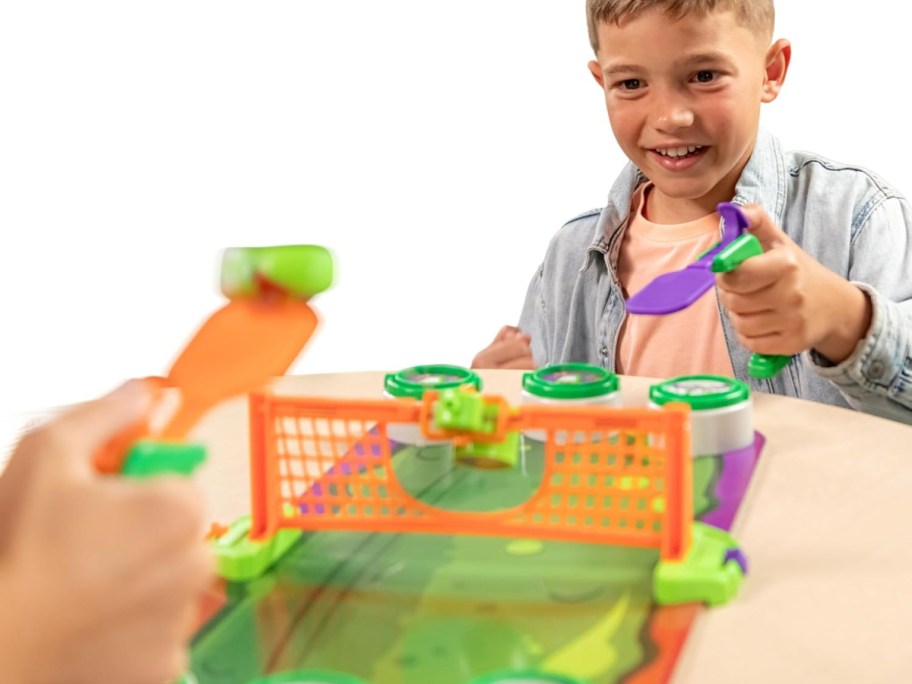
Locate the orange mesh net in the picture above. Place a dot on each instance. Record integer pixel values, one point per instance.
(613, 476)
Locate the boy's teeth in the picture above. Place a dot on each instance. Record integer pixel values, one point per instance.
(679, 151)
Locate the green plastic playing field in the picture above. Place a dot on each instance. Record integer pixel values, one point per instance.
(412, 609)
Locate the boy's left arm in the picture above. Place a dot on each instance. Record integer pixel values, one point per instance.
(857, 330)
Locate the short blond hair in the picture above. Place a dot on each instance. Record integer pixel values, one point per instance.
(756, 15)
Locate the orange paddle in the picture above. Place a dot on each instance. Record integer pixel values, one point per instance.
(253, 338)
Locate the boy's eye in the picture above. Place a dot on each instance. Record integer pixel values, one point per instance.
(631, 84)
(706, 76)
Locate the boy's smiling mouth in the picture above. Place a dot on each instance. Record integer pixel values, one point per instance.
(679, 157)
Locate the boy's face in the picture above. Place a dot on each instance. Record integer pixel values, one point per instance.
(684, 99)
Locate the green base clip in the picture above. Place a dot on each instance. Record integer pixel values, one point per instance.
(240, 559)
(710, 573)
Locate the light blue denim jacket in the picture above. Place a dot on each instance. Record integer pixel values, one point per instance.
(844, 216)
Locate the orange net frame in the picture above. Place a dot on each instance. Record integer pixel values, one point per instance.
(611, 476)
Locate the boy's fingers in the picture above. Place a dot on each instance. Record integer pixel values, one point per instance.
(745, 304)
(763, 226)
(754, 274)
(506, 333)
(522, 363)
(174, 505)
(510, 350)
(501, 335)
(79, 432)
(758, 324)
(502, 353)
(742, 281)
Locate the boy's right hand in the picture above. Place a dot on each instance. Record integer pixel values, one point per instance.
(510, 349)
(99, 576)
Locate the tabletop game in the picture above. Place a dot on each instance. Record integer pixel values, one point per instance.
(441, 534)
(417, 561)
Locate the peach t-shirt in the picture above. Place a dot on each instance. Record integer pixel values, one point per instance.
(687, 341)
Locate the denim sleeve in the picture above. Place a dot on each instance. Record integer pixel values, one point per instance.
(533, 320)
(877, 376)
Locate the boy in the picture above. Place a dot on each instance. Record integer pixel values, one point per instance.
(683, 83)
(99, 576)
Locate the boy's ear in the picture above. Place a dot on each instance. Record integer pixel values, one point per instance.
(596, 70)
(777, 63)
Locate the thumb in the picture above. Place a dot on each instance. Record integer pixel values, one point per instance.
(763, 227)
(109, 423)
(507, 332)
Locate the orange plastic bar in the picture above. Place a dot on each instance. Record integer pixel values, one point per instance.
(676, 541)
(263, 468)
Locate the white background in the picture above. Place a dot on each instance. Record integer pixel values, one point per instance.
(435, 147)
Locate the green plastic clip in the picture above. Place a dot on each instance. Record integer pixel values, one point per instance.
(706, 575)
(464, 411)
(147, 458)
(240, 559)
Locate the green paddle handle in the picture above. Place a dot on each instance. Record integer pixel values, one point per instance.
(736, 252)
(761, 366)
(147, 458)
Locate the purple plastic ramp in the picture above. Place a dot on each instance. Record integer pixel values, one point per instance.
(737, 469)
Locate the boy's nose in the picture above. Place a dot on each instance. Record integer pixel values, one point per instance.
(671, 114)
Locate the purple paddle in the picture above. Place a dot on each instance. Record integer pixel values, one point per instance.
(677, 290)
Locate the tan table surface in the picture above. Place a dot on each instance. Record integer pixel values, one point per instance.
(826, 527)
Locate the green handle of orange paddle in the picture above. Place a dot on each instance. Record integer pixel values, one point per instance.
(761, 366)
(132, 454)
(109, 459)
(148, 458)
